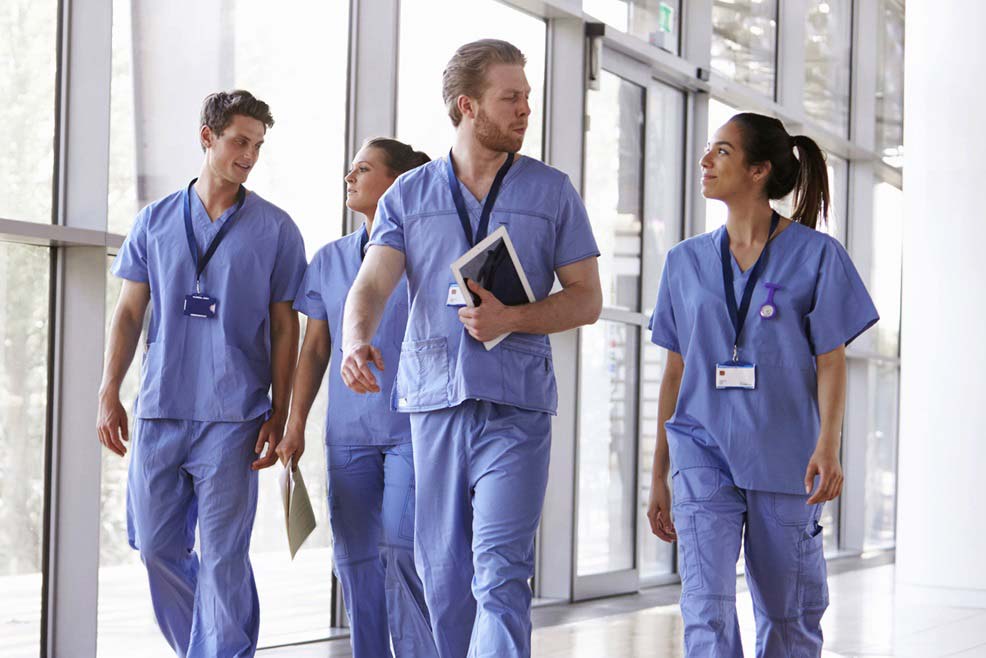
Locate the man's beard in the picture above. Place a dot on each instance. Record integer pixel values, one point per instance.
(490, 136)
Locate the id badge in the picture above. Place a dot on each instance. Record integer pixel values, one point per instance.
(736, 374)
(200, 306)
(455, 297)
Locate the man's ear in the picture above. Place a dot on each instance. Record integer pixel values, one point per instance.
(206, 137)
(467, 106)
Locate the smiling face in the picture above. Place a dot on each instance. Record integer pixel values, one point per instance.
(232, 154)
(500, 114)
(725, 172)
(367, 180)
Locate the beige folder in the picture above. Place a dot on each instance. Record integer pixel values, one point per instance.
(299, 518)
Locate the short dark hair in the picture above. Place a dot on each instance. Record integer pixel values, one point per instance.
(218, 110)
(398, 156)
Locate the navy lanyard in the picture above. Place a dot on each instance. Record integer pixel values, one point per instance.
(201, 262)
(460, 205)
(738, 316)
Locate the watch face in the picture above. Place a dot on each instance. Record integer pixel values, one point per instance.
(767, 311)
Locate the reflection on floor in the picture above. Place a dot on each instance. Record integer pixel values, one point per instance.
(865, 619)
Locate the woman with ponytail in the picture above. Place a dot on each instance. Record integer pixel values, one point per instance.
(367, 446)
(755, 317)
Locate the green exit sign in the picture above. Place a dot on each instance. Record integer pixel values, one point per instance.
(665, 17)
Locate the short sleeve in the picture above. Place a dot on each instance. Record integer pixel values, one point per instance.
(573, 233)
(131, 262)
(842, 308)
(388, 224)
(663, 330)
(289, 263)
(308, 298)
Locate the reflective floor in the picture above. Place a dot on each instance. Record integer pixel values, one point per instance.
(864, 619)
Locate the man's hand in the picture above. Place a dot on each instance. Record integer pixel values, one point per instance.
(270, 434)
(488, 320)
(659, 511)
(355, 368)
(292, 446)
(824, 463)
(112, 424)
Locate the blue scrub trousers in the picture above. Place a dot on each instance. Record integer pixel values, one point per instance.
(371, 510)
(481, 469)
(785, 567)
(182, 473)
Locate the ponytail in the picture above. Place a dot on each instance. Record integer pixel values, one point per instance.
(811, 191)
(766, 140)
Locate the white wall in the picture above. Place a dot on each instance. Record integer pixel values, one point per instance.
(941, 540)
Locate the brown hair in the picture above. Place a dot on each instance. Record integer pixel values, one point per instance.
(766, 140)
(465, 73)
(398, 156)
(218, 110)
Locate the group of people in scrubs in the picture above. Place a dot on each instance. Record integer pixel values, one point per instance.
(436, 447)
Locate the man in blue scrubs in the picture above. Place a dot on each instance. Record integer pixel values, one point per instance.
(219, 266)
(480, 420)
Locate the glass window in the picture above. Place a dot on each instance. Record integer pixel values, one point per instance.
(890, 82)
(654, 21)
(880, 498)
(885, 278)
(828, 38)
(28, 32)
(160, 73)
(613, 184)
(422, 119)
(23, 414)
(744, 42)
(607, 442)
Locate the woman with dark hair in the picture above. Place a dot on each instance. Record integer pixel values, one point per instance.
(367, 446)
(755, 317)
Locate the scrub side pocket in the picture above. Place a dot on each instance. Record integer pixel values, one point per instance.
(423, 375)
(691, 488)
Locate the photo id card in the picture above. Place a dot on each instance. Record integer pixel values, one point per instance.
(200, 306)
(455, 297)
(736, 374)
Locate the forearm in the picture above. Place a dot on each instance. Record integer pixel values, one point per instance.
(284, 351)
(364, 309)
(123, 340)
(831, 374)
(566, 309)
(307, 380)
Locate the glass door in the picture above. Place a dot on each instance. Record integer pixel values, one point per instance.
(632, 145)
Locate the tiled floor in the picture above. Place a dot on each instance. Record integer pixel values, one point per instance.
(864, 619)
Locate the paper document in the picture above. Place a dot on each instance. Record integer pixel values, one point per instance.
(494, 265)
(299, 519)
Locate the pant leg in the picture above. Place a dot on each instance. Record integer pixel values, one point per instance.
(227, 612)
(161, 523)
(709, 513)
(785, 569)
(509, 472)
(443, 523)
(356, 490)
(410, 627)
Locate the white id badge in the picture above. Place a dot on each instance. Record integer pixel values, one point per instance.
(455, 297)
(736, 374)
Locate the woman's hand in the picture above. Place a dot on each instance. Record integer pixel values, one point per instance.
(659, 510)
(292, 445)
(825, 464)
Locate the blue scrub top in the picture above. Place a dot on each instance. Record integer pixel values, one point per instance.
(355, 419)
(763, 437)
(215, 369)
(441, 364)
